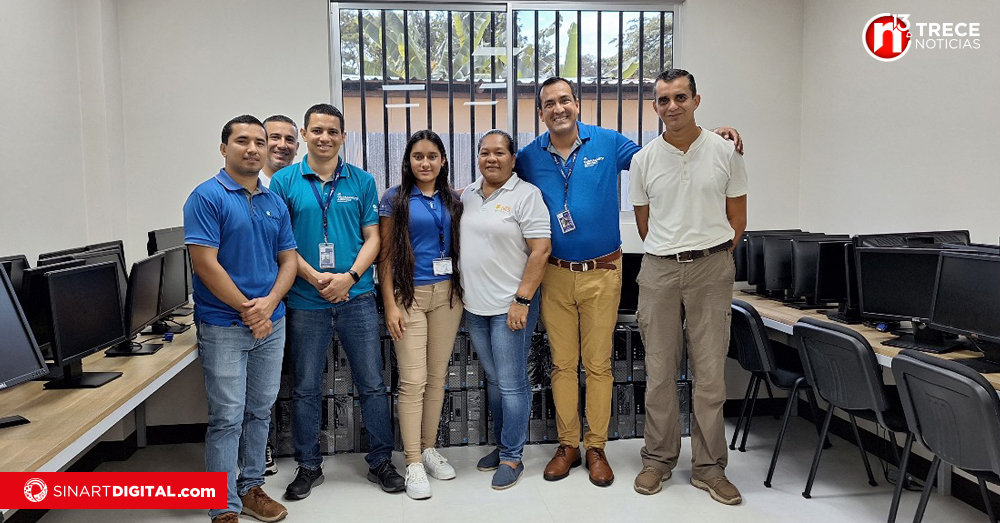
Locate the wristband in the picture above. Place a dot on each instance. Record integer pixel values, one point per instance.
(521, 300)
(354, 275)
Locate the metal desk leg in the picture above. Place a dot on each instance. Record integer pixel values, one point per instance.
(140, 425)
(944, 479)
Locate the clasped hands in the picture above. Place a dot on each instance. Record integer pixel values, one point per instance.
(334, 287)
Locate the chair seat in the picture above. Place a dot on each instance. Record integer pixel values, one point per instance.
(895, 419)
(784, 378)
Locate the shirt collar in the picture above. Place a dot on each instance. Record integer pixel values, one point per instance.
(507, 186)
(583, 133)
(230, 184)
(305, 170)
(415, 191)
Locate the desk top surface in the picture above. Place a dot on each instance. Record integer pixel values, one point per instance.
(775, 311)
(61, 417)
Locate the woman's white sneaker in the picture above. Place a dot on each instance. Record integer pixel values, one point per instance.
(417, 486)
(437, 466)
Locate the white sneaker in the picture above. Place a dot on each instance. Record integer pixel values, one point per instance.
(436, 465)
(417, 486)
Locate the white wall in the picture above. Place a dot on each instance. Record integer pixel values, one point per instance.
(747, 60)
(187, 67)
(904, 145)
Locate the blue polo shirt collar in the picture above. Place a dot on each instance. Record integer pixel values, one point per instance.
(583, 133)
(305, 170)
(415, 191)
(230, 184)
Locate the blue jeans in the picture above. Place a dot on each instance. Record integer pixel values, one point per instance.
(503, 354)
(241, 381)
(310, 332)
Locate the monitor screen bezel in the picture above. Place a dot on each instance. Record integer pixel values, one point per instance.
(130, 296)
(972, 335)
(57, 355)
(903, 251)
(171, 308)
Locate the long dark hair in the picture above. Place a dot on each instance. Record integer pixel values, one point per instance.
(401, 249)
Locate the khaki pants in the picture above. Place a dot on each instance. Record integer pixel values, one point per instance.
(579, 310)
(700, 292)
(422, 354)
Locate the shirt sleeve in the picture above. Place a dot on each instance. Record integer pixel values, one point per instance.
(626, 150)
(201, 222)
(386, 205)
(637, 183)
(737, 185)
(278, 187)
(533, 216)
(369, 207)
(286, 238)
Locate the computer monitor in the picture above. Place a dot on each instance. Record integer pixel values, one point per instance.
(805, 271)
(173, 290)
(14, 267)
(86, 318)
(897, 284)
(910, 239)
(631, 262)
(61, 252)
(753, 257)
(778, 262)
(980, 248)
(966, 302)
(109, 254)
(740, 258)
(163, 239)
(36, 304)
(22, 360)
(142, 301)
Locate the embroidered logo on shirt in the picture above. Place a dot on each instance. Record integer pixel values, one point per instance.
(590, 162)
(502, 208)
(342, 198)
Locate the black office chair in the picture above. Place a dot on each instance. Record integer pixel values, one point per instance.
(748, 330)
(744, 351)
(955, 413)
(842, 367)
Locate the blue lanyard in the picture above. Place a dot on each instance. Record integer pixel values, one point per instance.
(566, 169)
(325, 206)
(438, 220)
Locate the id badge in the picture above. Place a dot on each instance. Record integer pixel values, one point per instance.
(442, 266)
(566, 221)
(326, 259)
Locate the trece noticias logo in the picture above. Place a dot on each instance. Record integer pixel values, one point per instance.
(35, 490)
(887, 37)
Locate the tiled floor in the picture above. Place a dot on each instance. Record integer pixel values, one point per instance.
(841, 492)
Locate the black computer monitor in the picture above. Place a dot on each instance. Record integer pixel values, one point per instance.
(836, 280)
(52, 260)
(805, 271)
(911, 239)
(142, 302)
(109, 254)
(163, 239)
(754, 246)
(980, 248)
(966, 302)
(22, 360)
(740, 258)
(36, 302)
(59, 253)
(173, 290)
(897, 284)
(86, 318)
(14, 267)
(629, 303)
(778, 263)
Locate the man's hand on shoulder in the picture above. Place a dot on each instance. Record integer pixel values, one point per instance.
(730, 134)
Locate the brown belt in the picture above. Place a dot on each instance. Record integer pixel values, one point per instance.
(689, 256)
(604, 262)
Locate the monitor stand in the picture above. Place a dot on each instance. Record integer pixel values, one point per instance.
(925, 339)
(74, 378)
(161, 327)
(183, 311)
(131, 348)
(12, 421)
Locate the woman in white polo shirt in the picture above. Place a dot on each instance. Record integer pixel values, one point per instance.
(423, 299)
(505, 244)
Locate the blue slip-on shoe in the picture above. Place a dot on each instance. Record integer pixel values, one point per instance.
(506, 477)
(490, 461)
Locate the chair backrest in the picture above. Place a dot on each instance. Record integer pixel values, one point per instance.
(951, 409)
(841, 365)
(753, 349)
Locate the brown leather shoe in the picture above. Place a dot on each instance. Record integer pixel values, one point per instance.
(720, 489)
(566, 458)
(227, 517)
(600, 470)
(258, 504)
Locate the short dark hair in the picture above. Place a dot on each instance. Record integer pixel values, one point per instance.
(280, 118)
(672, 74)
(227, 130)
(324, 109)
(549, 81)
(511, 147)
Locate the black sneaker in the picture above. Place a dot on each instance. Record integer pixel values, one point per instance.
(303, 483)
(385, 475)
(270, 466)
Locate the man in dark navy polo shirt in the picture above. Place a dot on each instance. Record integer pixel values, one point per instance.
(576, 167)
(334, 212)
(242, 249)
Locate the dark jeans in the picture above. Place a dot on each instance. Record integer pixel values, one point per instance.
(310, 332)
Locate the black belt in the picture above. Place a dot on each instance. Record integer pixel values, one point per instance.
(690, 256)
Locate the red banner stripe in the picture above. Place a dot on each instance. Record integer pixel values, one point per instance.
(113, 490)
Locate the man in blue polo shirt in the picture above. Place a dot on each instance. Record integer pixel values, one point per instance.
(576, 167)
(334, 213)
(243, 253)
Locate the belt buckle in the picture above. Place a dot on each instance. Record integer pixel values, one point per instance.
(583, 266)
(684, 257)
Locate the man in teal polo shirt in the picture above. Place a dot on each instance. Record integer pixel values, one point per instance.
(576, 168)
(334, 211)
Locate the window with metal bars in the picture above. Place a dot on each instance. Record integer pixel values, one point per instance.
(452, 71)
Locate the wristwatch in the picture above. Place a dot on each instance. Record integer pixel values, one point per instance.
(521, 300)
(354, 275)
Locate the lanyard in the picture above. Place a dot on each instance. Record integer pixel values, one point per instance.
(438, 220)
(325, 206)
(566, 169)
